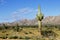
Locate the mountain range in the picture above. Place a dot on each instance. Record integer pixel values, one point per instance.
(47, 20)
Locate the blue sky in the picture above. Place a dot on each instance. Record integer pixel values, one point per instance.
(11, 10)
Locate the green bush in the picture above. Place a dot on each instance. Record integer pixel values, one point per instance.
(21, 37)
(26, 37)
(3, 31)
(25, 32)
(13, 37)
(30, 33)
(3, 37)
(1, 28)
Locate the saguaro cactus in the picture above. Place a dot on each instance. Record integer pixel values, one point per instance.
(39, 17)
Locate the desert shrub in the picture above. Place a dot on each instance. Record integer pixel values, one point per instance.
(21, 37)
(57, 26)
(0, 37)
(16, 28)
(3, 31)
(26, 37)
(20, 29)
(48, 33)
(1, 28)
(30, 33)
(4, 37)
(26, 33)
(28, 26)
(13, 37)
(5, 26)
(12, 27)
(38, 38)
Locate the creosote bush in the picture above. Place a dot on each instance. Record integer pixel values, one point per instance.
(21, 37)
(26, 37)
(13, 37)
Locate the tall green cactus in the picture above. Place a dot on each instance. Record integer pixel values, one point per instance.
(39, 17)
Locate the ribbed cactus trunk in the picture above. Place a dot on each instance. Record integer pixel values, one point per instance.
(39, 27)
(39, 17)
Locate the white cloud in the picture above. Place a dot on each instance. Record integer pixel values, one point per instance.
(20, 13)
(23, 11)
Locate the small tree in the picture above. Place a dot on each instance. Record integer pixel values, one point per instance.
(39, 17)
(5, 26)
(16, 28)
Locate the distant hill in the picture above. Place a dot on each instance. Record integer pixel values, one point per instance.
(52, 20)
(46, 20)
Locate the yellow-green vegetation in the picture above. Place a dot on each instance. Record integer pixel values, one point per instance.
(47, 32)
(30, 33)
